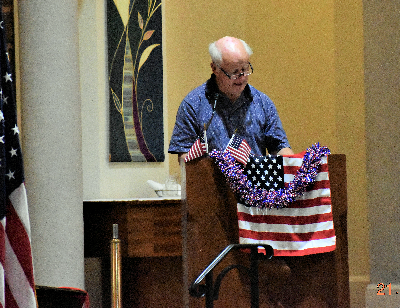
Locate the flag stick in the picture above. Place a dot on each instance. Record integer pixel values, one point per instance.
(205, 137)
(116, 300)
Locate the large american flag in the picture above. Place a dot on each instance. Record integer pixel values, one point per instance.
(305, 226)
(17, 289)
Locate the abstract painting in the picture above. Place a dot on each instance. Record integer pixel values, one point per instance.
(135, 75)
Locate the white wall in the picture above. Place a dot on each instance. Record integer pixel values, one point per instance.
(102, 179)
(51, 134)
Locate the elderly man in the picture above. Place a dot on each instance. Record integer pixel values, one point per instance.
(226, 104)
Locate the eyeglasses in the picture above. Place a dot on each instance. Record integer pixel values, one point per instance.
(247, 71)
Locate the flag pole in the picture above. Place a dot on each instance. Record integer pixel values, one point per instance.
(205, 137)
(116, 300)
(230, 140)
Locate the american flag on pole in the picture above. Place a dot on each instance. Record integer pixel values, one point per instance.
(239, 149)
(305, 226)
(198, 149)
(17, 289)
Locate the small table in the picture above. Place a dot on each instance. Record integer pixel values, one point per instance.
(151, 248)
(147, 227)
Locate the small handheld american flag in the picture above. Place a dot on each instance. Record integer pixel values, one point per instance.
(239, 149)
(198, 149)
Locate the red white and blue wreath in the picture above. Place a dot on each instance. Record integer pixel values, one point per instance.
(261, 198)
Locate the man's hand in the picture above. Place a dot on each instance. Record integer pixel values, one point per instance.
(181, 157)
(285, 151)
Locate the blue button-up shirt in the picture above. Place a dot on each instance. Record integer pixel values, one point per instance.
(253, 117)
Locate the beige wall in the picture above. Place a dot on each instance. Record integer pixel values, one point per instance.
(382, 92)
(308, 57)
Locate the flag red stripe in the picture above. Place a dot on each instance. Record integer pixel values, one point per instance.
(311, 202)
(19, 241)
(293, 169)
(286, 220)
(2, 241)
(323, 184)
(304, 252)
(292, 237)
(2, 261)
(10, 300)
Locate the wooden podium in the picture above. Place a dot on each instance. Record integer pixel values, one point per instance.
(210, 224)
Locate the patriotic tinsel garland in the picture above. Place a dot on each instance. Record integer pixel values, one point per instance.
(262, 198)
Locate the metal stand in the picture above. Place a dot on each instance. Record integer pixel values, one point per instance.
(211, 290)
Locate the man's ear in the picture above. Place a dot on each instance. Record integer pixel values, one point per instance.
(213, 67)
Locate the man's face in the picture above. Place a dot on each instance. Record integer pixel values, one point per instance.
(231, 65)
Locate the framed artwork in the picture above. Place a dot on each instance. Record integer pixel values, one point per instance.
(135, 73)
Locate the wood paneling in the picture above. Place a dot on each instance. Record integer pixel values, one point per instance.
(147, 228)
(154, 231)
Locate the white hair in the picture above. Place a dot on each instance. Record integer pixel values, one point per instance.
(216, 54)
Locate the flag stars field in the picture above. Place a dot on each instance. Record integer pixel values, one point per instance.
(264, 172)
